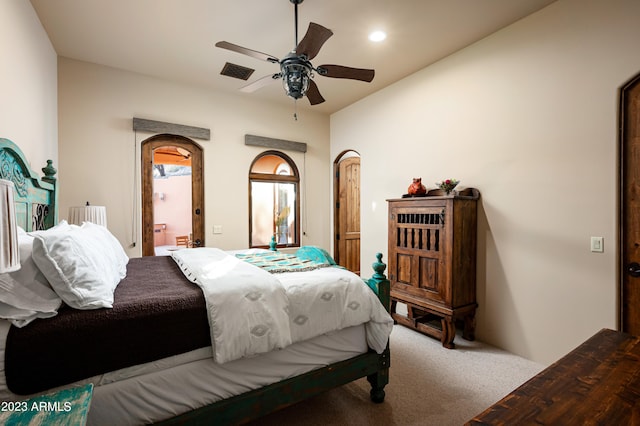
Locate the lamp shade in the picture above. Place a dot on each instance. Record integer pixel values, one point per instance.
(93, 214)
(9, 252)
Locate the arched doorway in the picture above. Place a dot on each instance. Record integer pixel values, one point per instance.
(160, 154)
(346, 248)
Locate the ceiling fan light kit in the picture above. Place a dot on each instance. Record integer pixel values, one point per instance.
(296, 75)
(296, 70)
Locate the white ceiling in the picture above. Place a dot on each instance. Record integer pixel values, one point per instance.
(174, 39)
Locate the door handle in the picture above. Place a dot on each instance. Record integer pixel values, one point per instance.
(633, 269)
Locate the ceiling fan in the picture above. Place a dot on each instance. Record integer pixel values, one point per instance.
(296, 70)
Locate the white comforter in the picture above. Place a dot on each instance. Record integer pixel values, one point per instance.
(252, 311)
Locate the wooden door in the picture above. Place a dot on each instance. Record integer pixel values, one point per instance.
(347, 214)
(630, 207)
(197, 188)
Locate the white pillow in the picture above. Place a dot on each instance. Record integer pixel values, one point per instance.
(63, 225)
(83, 264)
(26, 294)
(110, 243)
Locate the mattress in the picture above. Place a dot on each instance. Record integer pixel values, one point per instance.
(171, 386)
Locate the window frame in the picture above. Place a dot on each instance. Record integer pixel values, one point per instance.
(293, 178)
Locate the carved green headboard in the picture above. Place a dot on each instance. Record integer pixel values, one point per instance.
(35, 198)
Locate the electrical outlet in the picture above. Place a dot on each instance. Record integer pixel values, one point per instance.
(217, 229)
(597, 244)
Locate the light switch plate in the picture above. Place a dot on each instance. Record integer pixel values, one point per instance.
(217, 229)
(597, 244)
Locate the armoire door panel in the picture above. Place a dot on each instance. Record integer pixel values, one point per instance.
(403, 263)
(428, 273)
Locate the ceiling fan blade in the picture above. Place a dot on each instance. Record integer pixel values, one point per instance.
(339, 71)
(260, 83)
(248, 52)
(313, 94)
(313, 40)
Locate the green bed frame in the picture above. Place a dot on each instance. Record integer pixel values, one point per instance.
(36, 199)
(37, 208)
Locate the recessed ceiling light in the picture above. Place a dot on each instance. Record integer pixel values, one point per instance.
(377, 36)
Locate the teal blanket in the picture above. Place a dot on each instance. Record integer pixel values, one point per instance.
(306, 258)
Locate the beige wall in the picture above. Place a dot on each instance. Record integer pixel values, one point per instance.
(99, 151)
(28, 84)
(528, 116)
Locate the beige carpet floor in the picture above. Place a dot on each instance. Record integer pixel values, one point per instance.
(428, 385)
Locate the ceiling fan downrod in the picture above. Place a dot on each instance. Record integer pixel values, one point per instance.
(296, 3)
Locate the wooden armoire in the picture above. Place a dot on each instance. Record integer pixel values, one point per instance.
(432, 262)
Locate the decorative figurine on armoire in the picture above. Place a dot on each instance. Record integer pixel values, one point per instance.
(417, 188)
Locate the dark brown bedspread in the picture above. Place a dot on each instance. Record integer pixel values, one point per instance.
(157, 313)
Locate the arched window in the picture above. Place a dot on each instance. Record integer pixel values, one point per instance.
(274, 206)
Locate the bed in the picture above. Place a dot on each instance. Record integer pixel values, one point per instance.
(164, 374)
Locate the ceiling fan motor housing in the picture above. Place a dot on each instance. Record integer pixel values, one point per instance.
(296, 73)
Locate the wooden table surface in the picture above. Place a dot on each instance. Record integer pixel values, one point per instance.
(598, 383)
